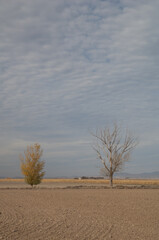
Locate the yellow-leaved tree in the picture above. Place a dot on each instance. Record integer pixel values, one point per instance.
(31, 164)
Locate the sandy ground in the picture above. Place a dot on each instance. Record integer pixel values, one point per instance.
(85, 214)
(49, 185)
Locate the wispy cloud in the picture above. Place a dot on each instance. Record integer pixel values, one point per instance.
(70, 66)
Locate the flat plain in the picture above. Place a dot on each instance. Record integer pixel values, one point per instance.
(58, 213)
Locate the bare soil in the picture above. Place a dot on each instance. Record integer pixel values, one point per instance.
(81, 214)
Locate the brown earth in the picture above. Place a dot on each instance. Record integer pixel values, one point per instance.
(82, 214)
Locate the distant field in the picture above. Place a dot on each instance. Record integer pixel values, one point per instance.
(94, 181)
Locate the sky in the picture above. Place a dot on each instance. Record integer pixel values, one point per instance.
(68, 67)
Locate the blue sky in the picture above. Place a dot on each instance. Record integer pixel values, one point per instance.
(69, 67)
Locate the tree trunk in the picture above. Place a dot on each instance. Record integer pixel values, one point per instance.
(111, 180)
(111, 174)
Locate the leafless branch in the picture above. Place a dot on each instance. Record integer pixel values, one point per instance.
(111, 150)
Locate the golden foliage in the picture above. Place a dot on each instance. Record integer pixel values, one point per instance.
(31, 166)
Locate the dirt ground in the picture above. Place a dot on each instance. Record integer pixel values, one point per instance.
(82, 214)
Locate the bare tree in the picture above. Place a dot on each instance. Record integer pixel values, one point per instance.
(31, 165)
(112, 149)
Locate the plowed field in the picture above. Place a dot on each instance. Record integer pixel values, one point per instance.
(81, 214)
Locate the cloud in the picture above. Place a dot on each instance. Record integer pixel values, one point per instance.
(67, 67)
